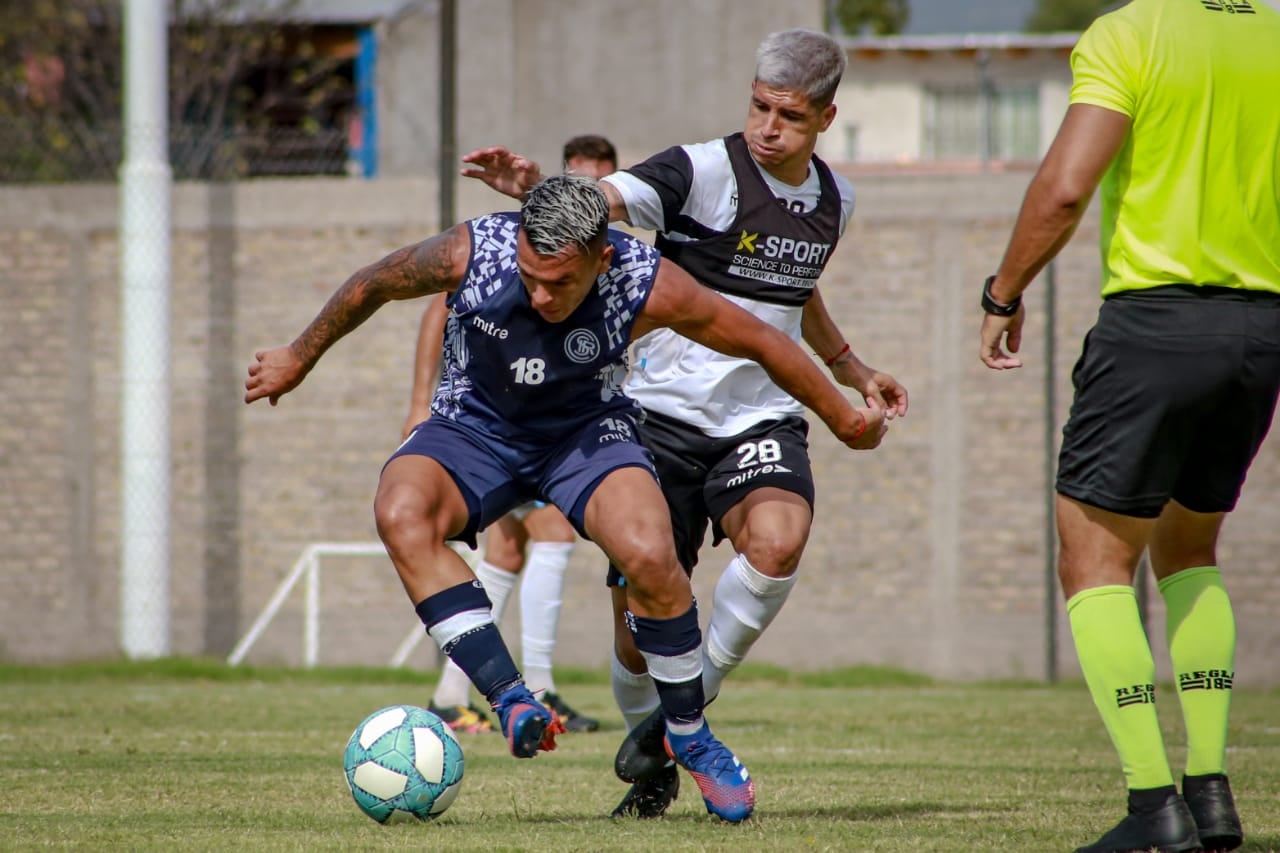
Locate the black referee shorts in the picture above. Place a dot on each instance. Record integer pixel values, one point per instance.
(703, 478)
(1174, 393)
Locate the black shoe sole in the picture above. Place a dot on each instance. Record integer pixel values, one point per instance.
(643, 805)
(642, 755)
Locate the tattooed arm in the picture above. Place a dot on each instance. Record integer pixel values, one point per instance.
(432, 266)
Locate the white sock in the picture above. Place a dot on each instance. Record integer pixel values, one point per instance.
(541, 594)
(744, 605)
(498, 584)
(454, 688)
(635, 694)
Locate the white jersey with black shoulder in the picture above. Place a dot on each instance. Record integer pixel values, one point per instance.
(690, 195)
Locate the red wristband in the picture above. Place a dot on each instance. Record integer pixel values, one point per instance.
(860, 430)
(831, 362)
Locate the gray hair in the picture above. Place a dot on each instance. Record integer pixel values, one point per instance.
(804, 61)
(564, 211)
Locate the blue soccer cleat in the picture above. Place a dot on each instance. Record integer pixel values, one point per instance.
(527, 724)
(725, 784)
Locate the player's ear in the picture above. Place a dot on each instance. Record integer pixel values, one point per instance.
(606, 258)
(828, 115)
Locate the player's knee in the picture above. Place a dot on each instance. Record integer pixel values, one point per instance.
(402, 514)
(776, 555)
(624, 648)
(505, 556)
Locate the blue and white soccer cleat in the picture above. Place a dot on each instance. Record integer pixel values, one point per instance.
(527, 724)
(725, 784)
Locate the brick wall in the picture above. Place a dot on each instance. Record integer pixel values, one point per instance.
(928, 553)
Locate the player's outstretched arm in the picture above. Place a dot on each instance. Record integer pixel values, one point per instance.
(681, 304)
(502, 169)
(820, 332)
(513, 175)
(426, 363)
(432, 266)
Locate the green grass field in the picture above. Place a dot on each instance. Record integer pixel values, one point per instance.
(196, 756)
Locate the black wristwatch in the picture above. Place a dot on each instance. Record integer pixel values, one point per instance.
(999, 309)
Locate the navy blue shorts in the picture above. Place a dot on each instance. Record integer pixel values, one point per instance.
(496, 476)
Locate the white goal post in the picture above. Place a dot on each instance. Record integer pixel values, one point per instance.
(308, 567)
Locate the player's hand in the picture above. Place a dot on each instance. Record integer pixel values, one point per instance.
(876, 427)
(416, 416)
(503, 170)
(1002, 330)
(273, 373)
(874, 386)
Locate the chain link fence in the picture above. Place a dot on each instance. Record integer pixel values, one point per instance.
(64, 151)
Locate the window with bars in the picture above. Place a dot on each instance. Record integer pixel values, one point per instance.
(954, 123)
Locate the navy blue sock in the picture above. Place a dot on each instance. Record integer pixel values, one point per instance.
(478, 649)
(672, 649)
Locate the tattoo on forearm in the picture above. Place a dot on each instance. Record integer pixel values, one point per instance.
(417, 270)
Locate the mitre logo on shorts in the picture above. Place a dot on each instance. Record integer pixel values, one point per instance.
(582, 346)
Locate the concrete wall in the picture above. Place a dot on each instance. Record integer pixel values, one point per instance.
(928, 553)
(531, 73)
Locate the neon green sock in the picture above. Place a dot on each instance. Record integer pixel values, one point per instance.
(1202, 646)
(1116, 659)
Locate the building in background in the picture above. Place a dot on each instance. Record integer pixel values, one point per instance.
(950, 101)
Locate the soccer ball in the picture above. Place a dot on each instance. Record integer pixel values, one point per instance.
(403, 762)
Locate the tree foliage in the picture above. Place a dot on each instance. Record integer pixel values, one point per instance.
(229, 73)
(1051, 16)
(879, 17)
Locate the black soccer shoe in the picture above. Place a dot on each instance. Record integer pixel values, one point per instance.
(1156, 820)
(573, 721)
(642, 754)
(1214, 809)
(652, 797)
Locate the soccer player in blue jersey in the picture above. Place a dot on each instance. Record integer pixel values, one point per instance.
(533, 542)
(544, 304)
(755, 216)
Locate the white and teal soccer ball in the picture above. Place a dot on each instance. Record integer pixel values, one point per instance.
(403, 762)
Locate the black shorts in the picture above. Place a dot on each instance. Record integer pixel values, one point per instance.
(1174, 392)
(702, 478)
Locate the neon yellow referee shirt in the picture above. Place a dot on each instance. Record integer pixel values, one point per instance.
(1194, 194)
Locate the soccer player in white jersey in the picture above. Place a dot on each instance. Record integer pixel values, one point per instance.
(756, 217)
(534, 540)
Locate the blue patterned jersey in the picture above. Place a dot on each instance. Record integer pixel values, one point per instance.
(512, 375)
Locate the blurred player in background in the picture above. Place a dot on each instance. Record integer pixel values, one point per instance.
(754, 216)
(1173, 108)
(590, 155)
(535, 538)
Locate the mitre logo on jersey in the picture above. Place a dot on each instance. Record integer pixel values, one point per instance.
(582, 346)
(489, 328)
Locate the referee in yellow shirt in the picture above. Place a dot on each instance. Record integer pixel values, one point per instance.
(1174, 109)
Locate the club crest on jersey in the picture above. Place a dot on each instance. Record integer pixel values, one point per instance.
(582, 346)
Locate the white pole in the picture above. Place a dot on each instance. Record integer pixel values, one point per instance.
(311, 616)
(146, 185)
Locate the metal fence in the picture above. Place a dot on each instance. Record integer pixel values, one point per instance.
(60, 151)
